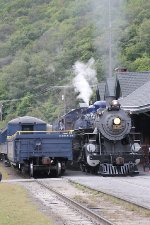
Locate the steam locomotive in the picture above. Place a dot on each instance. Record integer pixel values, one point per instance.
(104, 143)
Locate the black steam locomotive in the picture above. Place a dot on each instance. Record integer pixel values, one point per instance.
(104, 143)
(110, 149)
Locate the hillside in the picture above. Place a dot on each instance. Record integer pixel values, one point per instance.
(41, 40)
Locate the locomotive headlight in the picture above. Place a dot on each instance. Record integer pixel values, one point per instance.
(114, 103)
(117, 121)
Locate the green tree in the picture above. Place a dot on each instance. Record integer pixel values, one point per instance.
(135, 41)
(24, 105)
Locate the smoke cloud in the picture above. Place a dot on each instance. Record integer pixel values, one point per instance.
(84, 80)
(108, 19)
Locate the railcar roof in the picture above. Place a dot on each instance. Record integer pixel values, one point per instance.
(27, 120)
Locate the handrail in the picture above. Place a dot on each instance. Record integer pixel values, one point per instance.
(46, 131)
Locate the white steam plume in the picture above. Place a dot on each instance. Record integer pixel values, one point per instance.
(109, 19)
(84, 79)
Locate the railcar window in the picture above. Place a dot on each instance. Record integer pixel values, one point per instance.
(27, 128)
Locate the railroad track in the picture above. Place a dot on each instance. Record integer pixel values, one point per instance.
(95, 218)
(25, 179)
(88, 216)
(113, 195)
(69, 211)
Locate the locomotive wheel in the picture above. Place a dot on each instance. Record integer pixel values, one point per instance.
(63, 168)
(23, 171)
(31, 169)
(87, 170)
(63, 171)
(0, 176)
(58, 168)
(82, 167)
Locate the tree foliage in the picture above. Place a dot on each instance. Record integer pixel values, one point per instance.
(40, 40)
(135, 42)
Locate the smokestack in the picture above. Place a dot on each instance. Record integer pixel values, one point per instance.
(98, 98)
(110, 90)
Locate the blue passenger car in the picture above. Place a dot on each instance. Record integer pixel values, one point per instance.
(32, 148)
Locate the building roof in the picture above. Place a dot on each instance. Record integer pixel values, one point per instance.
(130, 81)
(26, 120)
(101, 88)
(131, 87)
(139, 100)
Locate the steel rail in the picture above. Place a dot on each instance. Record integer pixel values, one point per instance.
(77, 206)
(86, 186)
(112, 195)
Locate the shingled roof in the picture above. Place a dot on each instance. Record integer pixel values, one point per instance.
(139, 100)
(101, 88)
(130, 81)
(133, 89)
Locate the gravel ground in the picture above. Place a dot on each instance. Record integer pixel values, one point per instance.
(136, 189)
(61, 213)
(105, 206)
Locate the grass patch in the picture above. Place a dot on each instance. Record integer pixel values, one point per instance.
(84, 201)
(80, 199)
(5, 175)
(81, 187)
(16, 207)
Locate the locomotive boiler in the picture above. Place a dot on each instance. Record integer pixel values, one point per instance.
(110, 148)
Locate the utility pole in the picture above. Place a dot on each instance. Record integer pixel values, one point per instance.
(110, 40)
(64, 99)
(1, 106)
(1, 111)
